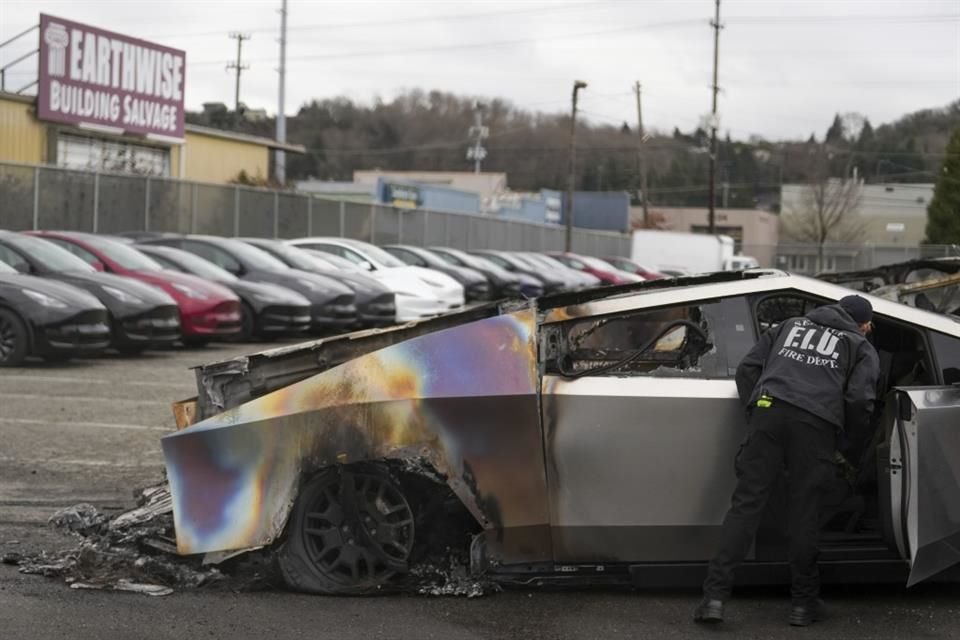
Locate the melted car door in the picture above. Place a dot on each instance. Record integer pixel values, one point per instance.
(641, 424)
(924, 477)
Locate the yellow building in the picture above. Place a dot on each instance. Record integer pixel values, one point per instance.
(204, 155)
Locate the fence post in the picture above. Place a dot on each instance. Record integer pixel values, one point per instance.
(373, 223)
(96, 200)
(343, 216)
(309, 215)
(276, 213)
(36, 198)
(399, 226)
(446, 229)
(236, 211)
(146, 205)
(426, 225)
(467, 241)
(193, 207)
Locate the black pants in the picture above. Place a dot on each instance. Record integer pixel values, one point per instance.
(781, 436)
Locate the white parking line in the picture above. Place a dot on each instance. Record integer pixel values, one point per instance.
(51, 397)
(95, 425)
(68, 380)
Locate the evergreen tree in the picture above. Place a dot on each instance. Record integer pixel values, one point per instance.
(867, 137)
(835, 132)
(943, 213)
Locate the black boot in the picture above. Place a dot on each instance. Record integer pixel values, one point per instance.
(806, 613)
(709, 611)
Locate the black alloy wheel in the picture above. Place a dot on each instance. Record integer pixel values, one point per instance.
(14, 340)
(351, 531)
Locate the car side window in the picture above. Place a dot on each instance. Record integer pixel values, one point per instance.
(213, 254)
(670, 341)
(408, 257)
(80, 252)
(947, 350)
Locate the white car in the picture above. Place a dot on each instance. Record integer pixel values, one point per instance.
(421, 293)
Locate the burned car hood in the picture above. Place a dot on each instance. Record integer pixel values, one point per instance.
(234, 475)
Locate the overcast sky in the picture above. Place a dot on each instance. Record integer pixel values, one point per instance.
(785, 66)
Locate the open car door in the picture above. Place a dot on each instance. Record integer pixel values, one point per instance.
(924, 475)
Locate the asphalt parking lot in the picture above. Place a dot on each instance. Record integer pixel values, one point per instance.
(89, 430)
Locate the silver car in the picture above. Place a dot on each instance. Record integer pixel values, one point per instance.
(582, 437)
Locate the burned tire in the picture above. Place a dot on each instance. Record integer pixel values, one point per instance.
(14, 339)
(350, 532)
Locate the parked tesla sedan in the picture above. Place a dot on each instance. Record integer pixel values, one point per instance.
(475, 284)
(53, 320)
(504, 283)
(376, 305)
(606, 272)
(553, 454)
(448, 293)
(266, 310)
(584, 279)
(208, 311)
(332, 305)
(552, 283)
(630, 266)
(140, 316)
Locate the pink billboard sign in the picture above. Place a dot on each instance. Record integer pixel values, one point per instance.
(100, 79)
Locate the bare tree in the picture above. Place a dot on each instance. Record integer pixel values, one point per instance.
(827, 209)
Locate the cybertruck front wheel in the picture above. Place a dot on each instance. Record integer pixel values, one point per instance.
(350, 532)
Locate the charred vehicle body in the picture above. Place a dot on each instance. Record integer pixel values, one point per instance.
(544, 435)
(932, 284)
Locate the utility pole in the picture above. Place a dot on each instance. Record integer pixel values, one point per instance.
(572, 181)
(281, 158)
(712, 223)
(239, 66)
(642, 157)
(478, 132)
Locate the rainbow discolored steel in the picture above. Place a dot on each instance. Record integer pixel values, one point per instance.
(462, 399)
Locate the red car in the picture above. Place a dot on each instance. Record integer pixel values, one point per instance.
(628, 265)
(606, 272)
(207, 310)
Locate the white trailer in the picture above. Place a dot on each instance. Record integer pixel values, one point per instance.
(687, 252)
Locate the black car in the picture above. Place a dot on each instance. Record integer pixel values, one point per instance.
(476, 287)
(266, 310)
(53, 320)
(376, 304)
(141, 316)
(331, 303)
(503, 283)
(552, 283)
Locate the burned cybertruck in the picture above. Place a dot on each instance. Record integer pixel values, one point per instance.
(578, 438)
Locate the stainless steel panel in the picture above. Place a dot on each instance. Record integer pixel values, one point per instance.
(639, 469)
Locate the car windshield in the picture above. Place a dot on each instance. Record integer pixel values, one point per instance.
(597, 263)
(254, 257)
(547, 260)
(125, 256)
(379, 256)
(296, 258)
(52, 257)
(194, 264)
(6, 269)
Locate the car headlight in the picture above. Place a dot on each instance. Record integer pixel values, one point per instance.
(190, 292)
(122, 295)
(45, 300)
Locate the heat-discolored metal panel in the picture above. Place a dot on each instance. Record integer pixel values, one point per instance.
(463, 399)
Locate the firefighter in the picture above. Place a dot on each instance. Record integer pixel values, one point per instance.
(803, 382)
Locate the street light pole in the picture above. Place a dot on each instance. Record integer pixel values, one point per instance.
(571, 183)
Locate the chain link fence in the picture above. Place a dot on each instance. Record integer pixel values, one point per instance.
(44, 197)
(806, 259)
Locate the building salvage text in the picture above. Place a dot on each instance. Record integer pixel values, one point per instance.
(92, 76)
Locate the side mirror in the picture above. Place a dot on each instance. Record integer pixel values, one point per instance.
(99, 266)
(22, 267)
(366, 265)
